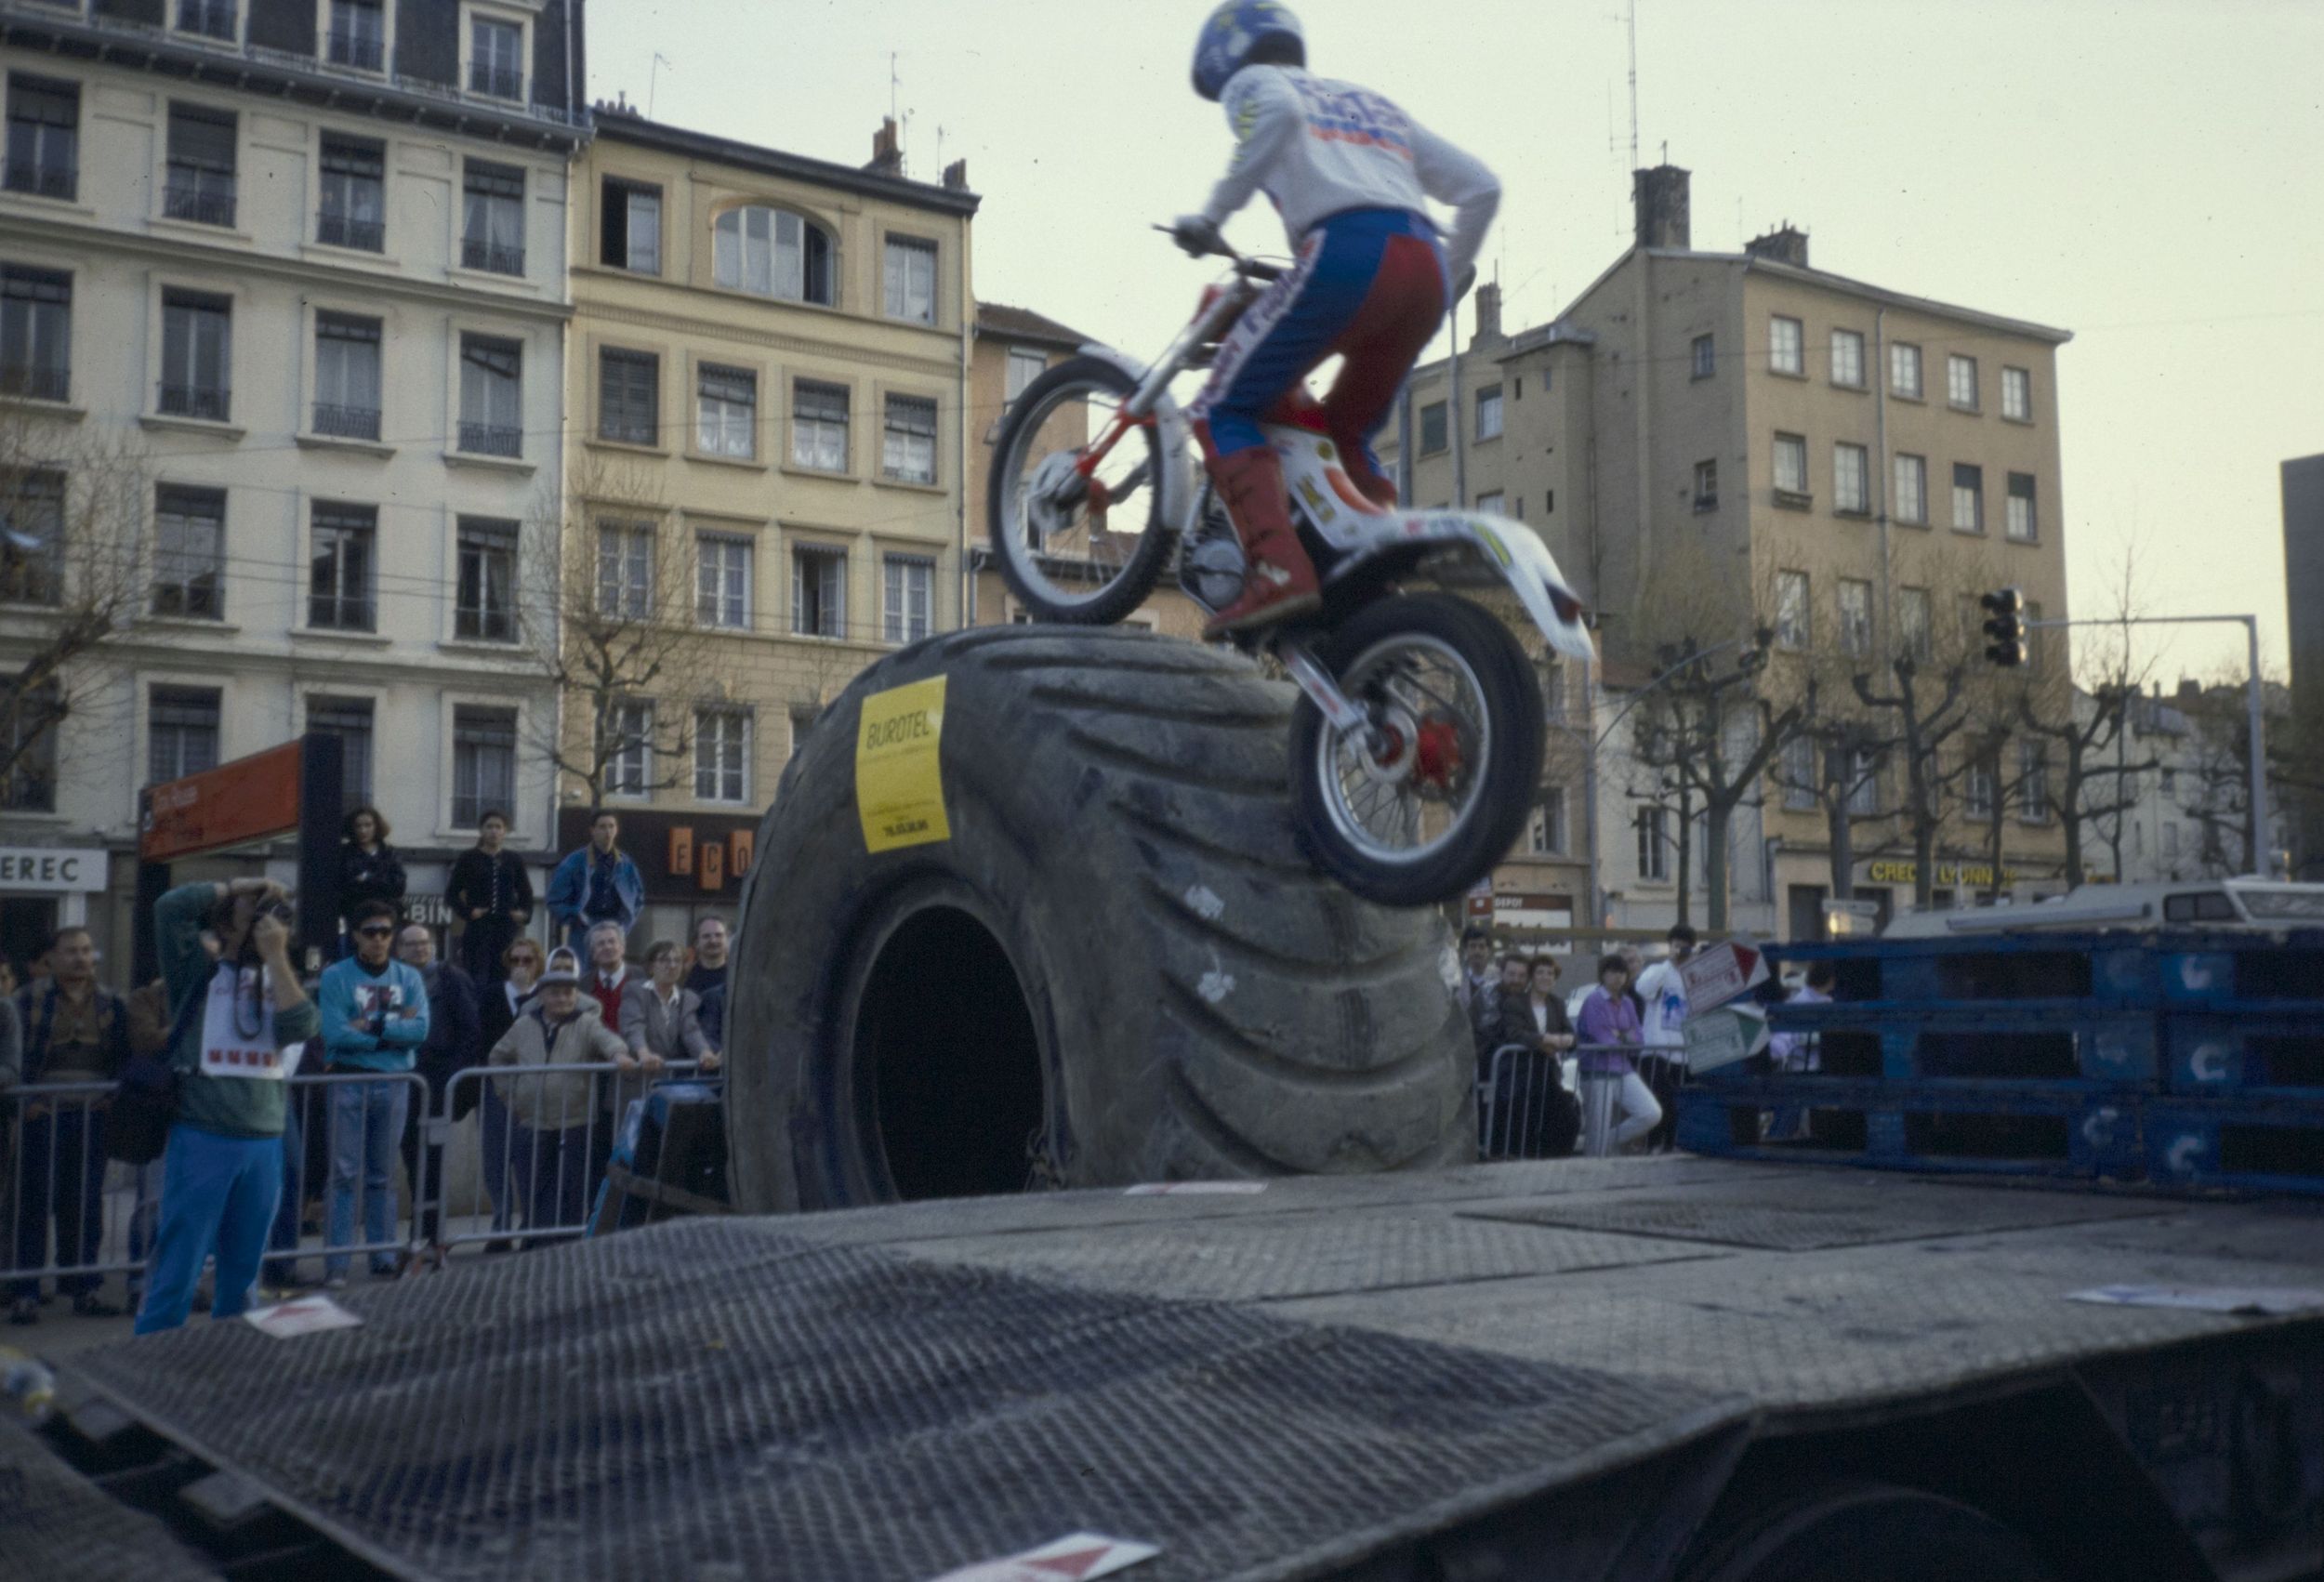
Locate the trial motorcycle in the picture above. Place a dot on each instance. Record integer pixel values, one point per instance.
(1417, 744)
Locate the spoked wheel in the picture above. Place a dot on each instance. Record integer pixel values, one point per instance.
(1078, 542)
(1418, 805)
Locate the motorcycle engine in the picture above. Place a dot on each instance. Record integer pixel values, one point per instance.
(1211, 569)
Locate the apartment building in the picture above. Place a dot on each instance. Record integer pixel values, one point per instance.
(1014, 347)
(2178, 775)
(1847, 465)
(299, 266)
(769, 419)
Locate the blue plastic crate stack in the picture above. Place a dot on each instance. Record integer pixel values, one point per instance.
(2185, 1061)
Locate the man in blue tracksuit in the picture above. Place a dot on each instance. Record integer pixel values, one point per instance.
(597, 884)
(231, 1016)
(375, 1017)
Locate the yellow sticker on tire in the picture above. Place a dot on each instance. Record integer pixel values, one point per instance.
(899, 781)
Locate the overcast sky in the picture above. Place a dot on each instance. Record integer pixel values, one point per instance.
(2148, 174)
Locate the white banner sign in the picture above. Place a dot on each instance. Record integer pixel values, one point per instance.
(1717, 975)
(52, 868)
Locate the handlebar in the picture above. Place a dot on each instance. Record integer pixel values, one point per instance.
(1249, 268)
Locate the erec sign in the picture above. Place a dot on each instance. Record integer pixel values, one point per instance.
(65, 868)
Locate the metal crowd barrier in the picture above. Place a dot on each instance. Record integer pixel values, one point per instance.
(71, 1216)
(541, 1154)
(1526, 1101)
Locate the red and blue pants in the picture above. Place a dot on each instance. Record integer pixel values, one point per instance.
(1370, 286)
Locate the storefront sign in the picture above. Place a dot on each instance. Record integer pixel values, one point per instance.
(252, 799)
(1541, 912)
(1980, 874)
(52, 868)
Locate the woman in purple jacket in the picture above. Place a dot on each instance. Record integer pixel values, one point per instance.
(1608, 1017)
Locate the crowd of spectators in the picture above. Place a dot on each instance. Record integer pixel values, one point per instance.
(1623, 1031)
(242, 1186)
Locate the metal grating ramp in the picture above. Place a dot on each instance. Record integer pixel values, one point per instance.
(1800, 1215)
(763, 1406)
(58, 1526)
(1312, 1254)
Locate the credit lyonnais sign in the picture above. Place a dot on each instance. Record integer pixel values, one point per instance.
(1947, 873)
(248, 800)
(52, 868)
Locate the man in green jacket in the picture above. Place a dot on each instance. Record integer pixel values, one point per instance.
(233, 1020)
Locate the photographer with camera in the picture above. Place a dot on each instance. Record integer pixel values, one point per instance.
(231, 1019)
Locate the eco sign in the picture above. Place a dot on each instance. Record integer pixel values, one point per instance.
(899, 779)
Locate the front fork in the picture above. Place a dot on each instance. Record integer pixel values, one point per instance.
(1316, 681)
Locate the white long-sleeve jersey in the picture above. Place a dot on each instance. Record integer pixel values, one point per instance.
(1318, 146)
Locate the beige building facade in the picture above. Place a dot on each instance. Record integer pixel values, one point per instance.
(1706, 438)
(769, 433)
(1014, 347)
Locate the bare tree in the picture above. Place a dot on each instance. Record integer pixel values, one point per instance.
(2217, 795)
(607, 616)
(1708, 738)
(73, 572)
(1707, 732)
(1834, 761)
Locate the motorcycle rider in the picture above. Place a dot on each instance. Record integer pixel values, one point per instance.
(1350, 173)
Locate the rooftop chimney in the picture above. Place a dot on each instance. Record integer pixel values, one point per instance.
(886, 154)
(1659, 205)
(956, 176)
(1488, 310)
(1785, 244)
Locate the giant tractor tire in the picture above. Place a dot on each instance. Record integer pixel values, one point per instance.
(1113, 966)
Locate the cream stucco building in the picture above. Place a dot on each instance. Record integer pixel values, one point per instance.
(300, 264)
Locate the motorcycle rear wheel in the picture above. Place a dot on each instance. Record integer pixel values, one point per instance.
(1064, 562)
(1419, 808)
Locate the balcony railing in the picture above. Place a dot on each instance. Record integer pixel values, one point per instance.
(499, 82)
(478, 254)
(339, 231)
(359, 50)
(484, 626)
(43, 180)
(209, 402)
(492, 439)
(346, 422)
(341, 613)
(211, 19)
(35, 382)
(202, 205)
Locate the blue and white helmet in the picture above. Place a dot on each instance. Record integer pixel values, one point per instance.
(1233, 33)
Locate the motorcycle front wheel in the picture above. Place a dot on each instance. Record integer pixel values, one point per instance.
(1082, 548)
(1419, 804)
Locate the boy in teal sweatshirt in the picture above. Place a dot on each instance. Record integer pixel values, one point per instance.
(375, 1017)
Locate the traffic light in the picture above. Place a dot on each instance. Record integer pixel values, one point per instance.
(2006, 627)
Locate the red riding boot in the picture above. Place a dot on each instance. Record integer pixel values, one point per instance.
(1281, 583)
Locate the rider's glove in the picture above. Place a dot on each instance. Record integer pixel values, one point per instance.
(1196, 233)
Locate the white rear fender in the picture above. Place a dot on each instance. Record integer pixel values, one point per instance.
(1320, 487)
(1507, 548)
(1174, 444)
